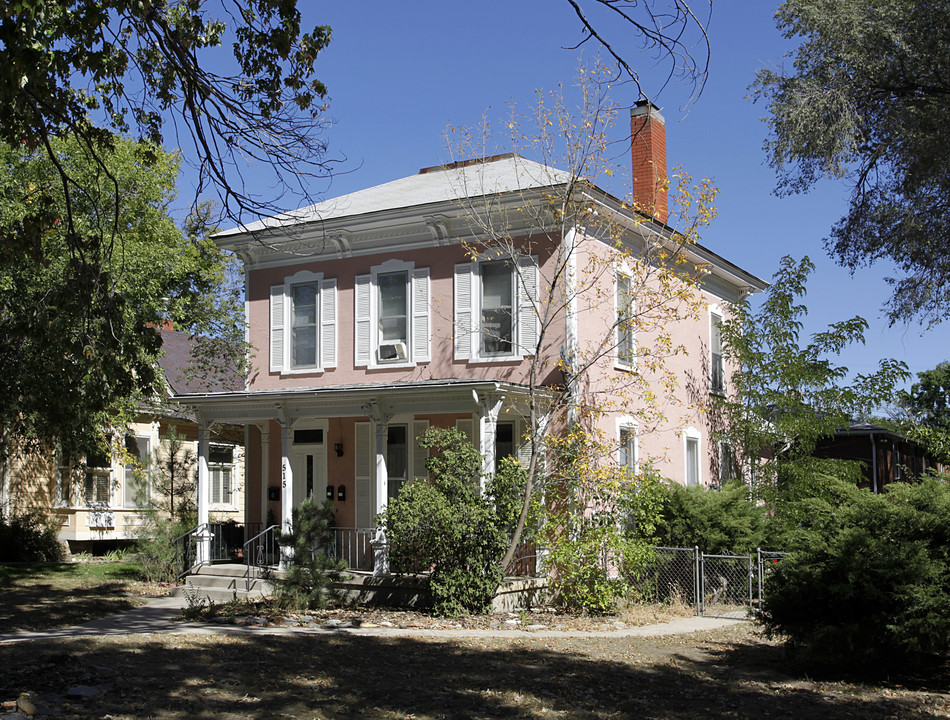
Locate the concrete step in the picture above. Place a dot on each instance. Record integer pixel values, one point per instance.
(223, 583)
(232, 570)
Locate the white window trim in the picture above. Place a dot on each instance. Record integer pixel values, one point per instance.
(619, 362)
(418, 320)
(692, 433)
(128, 500)
(281, 343)
(715, 311)
(468, 311)
(628, 423)
(212, 466)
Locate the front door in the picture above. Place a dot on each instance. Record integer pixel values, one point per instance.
(310, 473)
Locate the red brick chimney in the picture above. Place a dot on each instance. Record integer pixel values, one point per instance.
(648, 150)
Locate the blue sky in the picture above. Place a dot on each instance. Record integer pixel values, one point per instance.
(399, 73)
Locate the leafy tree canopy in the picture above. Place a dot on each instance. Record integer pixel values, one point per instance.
(928, 401)
(78, 343)
(868, 100)
(784, 396)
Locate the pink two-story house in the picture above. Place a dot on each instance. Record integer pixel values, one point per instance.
(380, 313)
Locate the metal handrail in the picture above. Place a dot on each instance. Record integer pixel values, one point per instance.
(185, 549)
(261, 555)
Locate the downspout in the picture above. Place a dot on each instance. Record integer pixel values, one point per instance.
(873, 464)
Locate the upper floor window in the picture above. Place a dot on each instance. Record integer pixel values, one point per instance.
(303, 324)
(717, 374)
(392, 315)
(495, 313)
(626, 339)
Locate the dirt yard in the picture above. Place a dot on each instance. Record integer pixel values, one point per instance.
(731, 672)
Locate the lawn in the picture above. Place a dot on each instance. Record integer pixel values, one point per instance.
(731, 672)
(36, 597)
(726, 673)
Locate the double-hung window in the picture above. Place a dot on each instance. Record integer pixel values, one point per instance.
(303, 324)
(692, 459)
(496, 309)
(392, 315)
(97, 485)
(627, 450)
(626, 339)
(717, 373)
(220, 465)
(136, 481)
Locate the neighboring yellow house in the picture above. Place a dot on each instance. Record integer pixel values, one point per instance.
(97, 508)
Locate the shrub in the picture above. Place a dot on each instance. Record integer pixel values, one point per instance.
(154, 548)
(716, 521)
(29, 537)
(311, 569)
(870, 587)
(449, 527)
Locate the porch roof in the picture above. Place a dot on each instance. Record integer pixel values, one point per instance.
(359, 400)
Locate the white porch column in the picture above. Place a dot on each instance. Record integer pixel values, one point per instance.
(265, 470)
(489, 407)
(286, 487)
(380, 542)
(204, 495)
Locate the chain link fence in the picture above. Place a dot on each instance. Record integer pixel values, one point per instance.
(712, 585)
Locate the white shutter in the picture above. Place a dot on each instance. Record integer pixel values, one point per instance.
(464, 326)
(364, 307)
(419, 453)
(277, 328)
(468, 429)
(328, 324)
(523, 440)
(420, 315)
(365, 462)
(527, 302)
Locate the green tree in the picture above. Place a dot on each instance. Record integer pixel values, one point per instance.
(867, 100)
(784, 396)
(310, 569)
(928, 401)
(448, 526)
(77, 78)
(78, 322)
(868, 585)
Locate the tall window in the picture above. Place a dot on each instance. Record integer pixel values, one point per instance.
(304, 326)
(96, 486)
(393, 315)
(692, 461)
(717, 378)
(496, 308)
(626, 348)
(727, 462)
(136, 486)
(504, 442)
(397, 457)
(628, 449)
(220, 464)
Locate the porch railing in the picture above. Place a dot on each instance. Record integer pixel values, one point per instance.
(353, 546)
(260, 553)
(186, 551)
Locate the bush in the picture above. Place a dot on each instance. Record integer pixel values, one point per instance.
(29, 537)
(311, 569)
(154, 548)
(447, 526)
(718, 522)
(870, 586)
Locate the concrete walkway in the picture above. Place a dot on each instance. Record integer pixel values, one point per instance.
(158, 616)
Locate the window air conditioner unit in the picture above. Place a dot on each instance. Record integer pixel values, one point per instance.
(393, 351)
